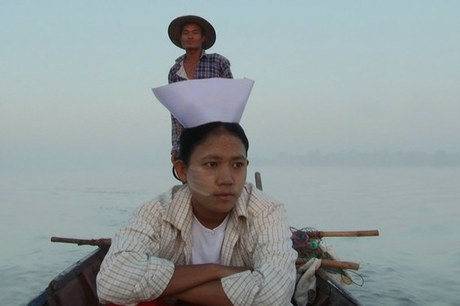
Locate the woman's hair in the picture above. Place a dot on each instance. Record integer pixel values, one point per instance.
(192, 137)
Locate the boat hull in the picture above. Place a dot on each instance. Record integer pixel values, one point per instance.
(76, 286)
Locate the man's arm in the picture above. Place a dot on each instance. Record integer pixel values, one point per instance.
(176, 131)
(226, 72)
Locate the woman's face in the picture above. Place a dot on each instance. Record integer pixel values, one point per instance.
(216, 175)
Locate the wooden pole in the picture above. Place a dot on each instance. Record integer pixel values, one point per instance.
(337, 264)
(98, 242)
(258, 181)
(321, 234)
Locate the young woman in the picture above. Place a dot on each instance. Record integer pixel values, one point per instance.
(215, 240)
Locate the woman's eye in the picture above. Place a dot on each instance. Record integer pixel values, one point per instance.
(211, 164)
(238, 165)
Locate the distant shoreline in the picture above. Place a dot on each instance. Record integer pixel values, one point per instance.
(355, 158)
(40, 160)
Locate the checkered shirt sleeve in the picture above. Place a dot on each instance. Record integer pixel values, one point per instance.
(272, 280)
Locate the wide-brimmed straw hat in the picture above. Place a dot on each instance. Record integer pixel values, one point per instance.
(175, 27)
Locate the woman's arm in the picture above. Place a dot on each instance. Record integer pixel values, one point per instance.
(272, 280)
(187, 277)
(200, 284)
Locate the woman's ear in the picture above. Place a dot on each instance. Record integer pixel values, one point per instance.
(181, 170)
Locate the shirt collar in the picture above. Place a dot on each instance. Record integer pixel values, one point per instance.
(182, 57)
(180, 212)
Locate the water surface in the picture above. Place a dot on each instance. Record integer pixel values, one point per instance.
(414, 261)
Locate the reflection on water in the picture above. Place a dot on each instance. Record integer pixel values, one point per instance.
(414, 261)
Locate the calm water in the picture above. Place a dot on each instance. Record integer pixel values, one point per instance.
(414, 261)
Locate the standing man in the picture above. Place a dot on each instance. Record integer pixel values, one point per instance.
(194, 34)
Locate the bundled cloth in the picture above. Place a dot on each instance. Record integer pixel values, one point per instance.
(305, 290)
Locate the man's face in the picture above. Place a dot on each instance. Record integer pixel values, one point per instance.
(216, 175)
(191, 36)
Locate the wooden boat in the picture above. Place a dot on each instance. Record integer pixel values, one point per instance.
(76, 286)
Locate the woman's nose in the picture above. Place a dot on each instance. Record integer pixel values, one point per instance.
(225, 176)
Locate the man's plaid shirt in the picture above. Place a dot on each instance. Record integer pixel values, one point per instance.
(210, 66)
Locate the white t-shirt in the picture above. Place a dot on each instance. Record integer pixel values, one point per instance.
(206, 243)
(181, 72)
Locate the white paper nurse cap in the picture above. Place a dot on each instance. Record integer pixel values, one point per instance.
(197, 102)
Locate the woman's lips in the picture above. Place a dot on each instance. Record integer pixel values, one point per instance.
(226, 196)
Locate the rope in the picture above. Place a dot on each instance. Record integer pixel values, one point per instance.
(312, 247)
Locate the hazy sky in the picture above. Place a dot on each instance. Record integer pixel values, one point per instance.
(76, 76)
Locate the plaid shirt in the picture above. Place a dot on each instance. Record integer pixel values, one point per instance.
(210, 66)
(141, 260)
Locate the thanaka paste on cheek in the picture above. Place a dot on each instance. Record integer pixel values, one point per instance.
(197, 181)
